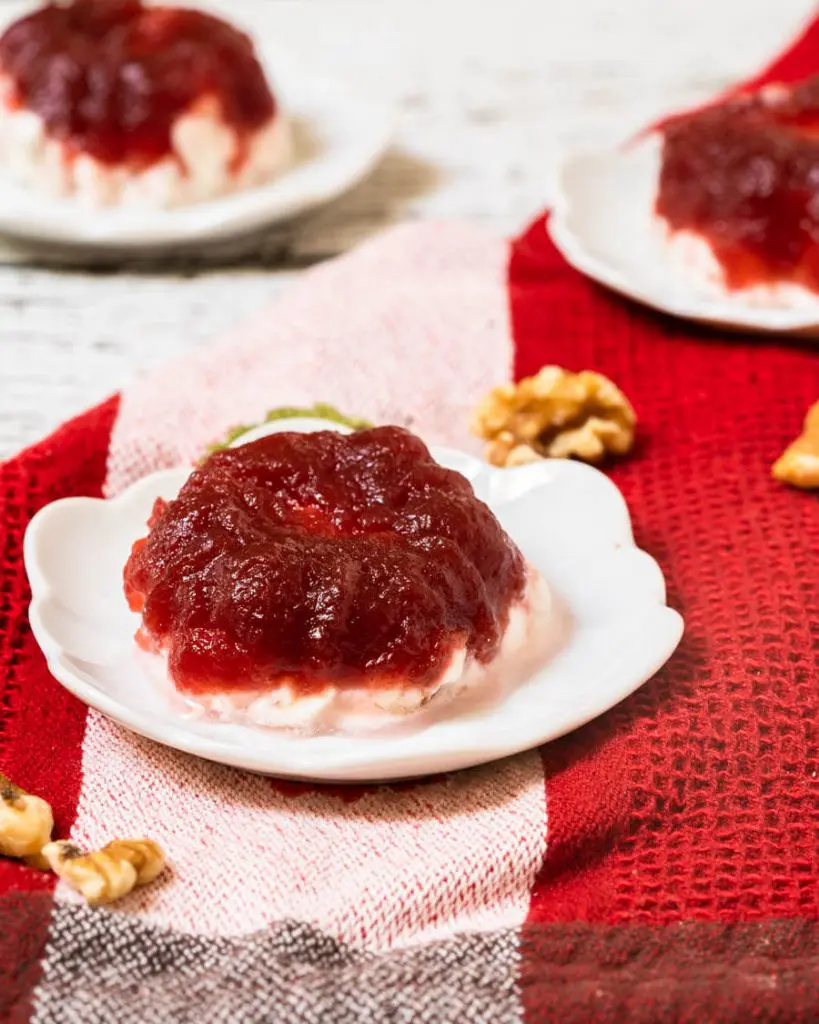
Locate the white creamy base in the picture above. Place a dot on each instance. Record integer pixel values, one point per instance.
(204, 146)
(362, 709)
(691, 258)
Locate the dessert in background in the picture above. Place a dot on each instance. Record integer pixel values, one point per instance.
(118, 103)
(329, 581)
(738, 195)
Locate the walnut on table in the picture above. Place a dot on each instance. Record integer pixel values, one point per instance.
(110, 873)
(26, 823)
(799, 463)
(555, 414)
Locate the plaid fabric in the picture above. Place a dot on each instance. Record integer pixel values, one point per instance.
(659, 864)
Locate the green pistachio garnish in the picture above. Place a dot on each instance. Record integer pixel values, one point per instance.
(320, 411)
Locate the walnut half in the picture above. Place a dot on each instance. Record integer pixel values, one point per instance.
(799, 463)
(555, 414)
(107, 874)
(26, 821)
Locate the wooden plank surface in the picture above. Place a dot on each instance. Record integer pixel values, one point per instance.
(489, 96)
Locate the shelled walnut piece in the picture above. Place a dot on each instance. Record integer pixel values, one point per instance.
(26, 822)
(110, 873)
(799, 463)
(555, 414)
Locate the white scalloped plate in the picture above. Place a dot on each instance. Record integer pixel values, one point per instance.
(569, 520)
(340, 136)
(602, 223)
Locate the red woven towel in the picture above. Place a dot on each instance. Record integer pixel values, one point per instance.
(672, 872)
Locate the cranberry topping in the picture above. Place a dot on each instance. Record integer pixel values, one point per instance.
(322, 559)
(110, 77)
(745, 175)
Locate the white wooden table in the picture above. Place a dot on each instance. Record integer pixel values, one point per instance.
(490, 94)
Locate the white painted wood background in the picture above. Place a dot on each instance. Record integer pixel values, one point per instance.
(489, 92)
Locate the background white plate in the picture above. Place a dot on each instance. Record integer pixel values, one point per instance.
(602, 224)
(340, 135)
(569, 520)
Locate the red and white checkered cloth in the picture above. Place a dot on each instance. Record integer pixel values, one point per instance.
(660, 864)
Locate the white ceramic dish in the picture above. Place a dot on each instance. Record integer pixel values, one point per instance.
(602, 222)
(339, 137)
(568, 519)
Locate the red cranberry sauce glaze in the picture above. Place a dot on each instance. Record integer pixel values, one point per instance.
(110, 77)
(745, 175)
(322, 559)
